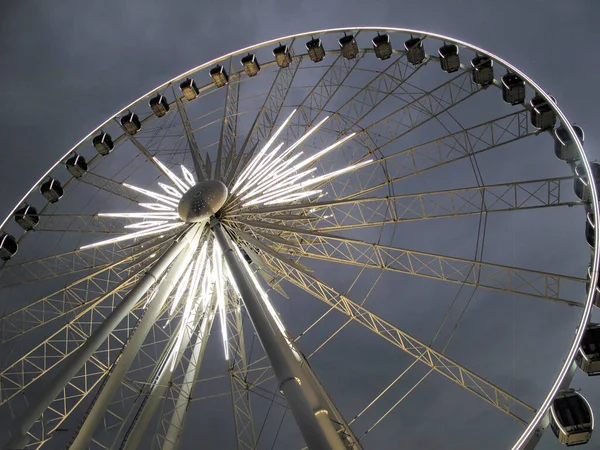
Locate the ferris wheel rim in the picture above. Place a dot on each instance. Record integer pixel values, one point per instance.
(563, 374)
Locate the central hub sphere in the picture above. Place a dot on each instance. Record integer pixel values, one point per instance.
(202, 201)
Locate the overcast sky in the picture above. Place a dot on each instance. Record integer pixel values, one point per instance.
(67, 65)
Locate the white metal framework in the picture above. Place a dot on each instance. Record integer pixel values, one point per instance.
(378, 194)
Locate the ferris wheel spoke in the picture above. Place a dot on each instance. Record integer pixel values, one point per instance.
(362, 212)
(191, 139)
(452, 370)
(106, 184)
(337, 249)
(83, 223)
(227, 141)
(238, 377)
(162, 379)
(90, 289)
(267, 116)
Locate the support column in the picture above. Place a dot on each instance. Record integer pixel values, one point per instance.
(308, 407)
(102, 401)
(82, 354)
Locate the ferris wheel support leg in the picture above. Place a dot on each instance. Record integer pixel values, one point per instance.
(82, 354)
(175, 430)
(103, 400)
(139, 428)
(308, 407)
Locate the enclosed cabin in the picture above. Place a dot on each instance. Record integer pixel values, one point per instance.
(315, 50)
(76, 165)
(189, 89)
(590, 225)
(588, 284)
(250, 65)
(382, 46)
(449, 58)
(219, 76)
(572, 420)
(542, 114)
(483, 70)
(513, 89)
(27, 217)
(52, 190)
(159, 105)
(588, 356)
(131, 123)
(581, 183)
(282, 56)
(565, 147)
(415, 51)
(8, 246)
(348, 46)
(103, 143)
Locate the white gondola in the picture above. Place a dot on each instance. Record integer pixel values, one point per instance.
(189, 90)
(76, 165)
(449, 58)
(27, 217)
(131, 123)
(52, 190)
(250, 65)
(159, 105)
(572, 419)
(315, 50)
(581, 184)
(588, 356)
(565, 147)
(8, 246)
(542, 114)
(103, 143)
(282, 56)
(219, 76)
(513, 89)
(415, 52)
(348, 46)
(382, 46)
(483, 70)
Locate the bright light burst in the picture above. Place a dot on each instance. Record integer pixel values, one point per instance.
(274, 175)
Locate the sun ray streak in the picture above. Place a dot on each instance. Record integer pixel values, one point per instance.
(137, 234)
(155, 195)
(220, 288)
(183, 187)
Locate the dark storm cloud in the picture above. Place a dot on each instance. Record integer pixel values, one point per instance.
(66, 66)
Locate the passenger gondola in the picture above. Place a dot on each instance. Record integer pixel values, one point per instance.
(483, 70)
(596, 290)
(282, 56)
(189, 89)
(52, 190)
(27, 217)
(131, 123)
(590, 225)
(513, 89)
(8, 246)
(315, 50)
(542, 114)
(382, 46)
(572, 419)
(449, 58)
(219, 76)
(581, 184)
(588, 356)
(103, 143)
(348, 46)
(250, 65)
(565, 147)
(76, 165)
(415, 52)
(159, 105)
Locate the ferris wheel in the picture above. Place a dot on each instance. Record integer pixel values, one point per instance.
(346, 239)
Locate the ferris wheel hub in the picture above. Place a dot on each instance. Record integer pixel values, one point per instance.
(202, 201)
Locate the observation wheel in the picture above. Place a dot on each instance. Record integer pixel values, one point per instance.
(350, 238)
